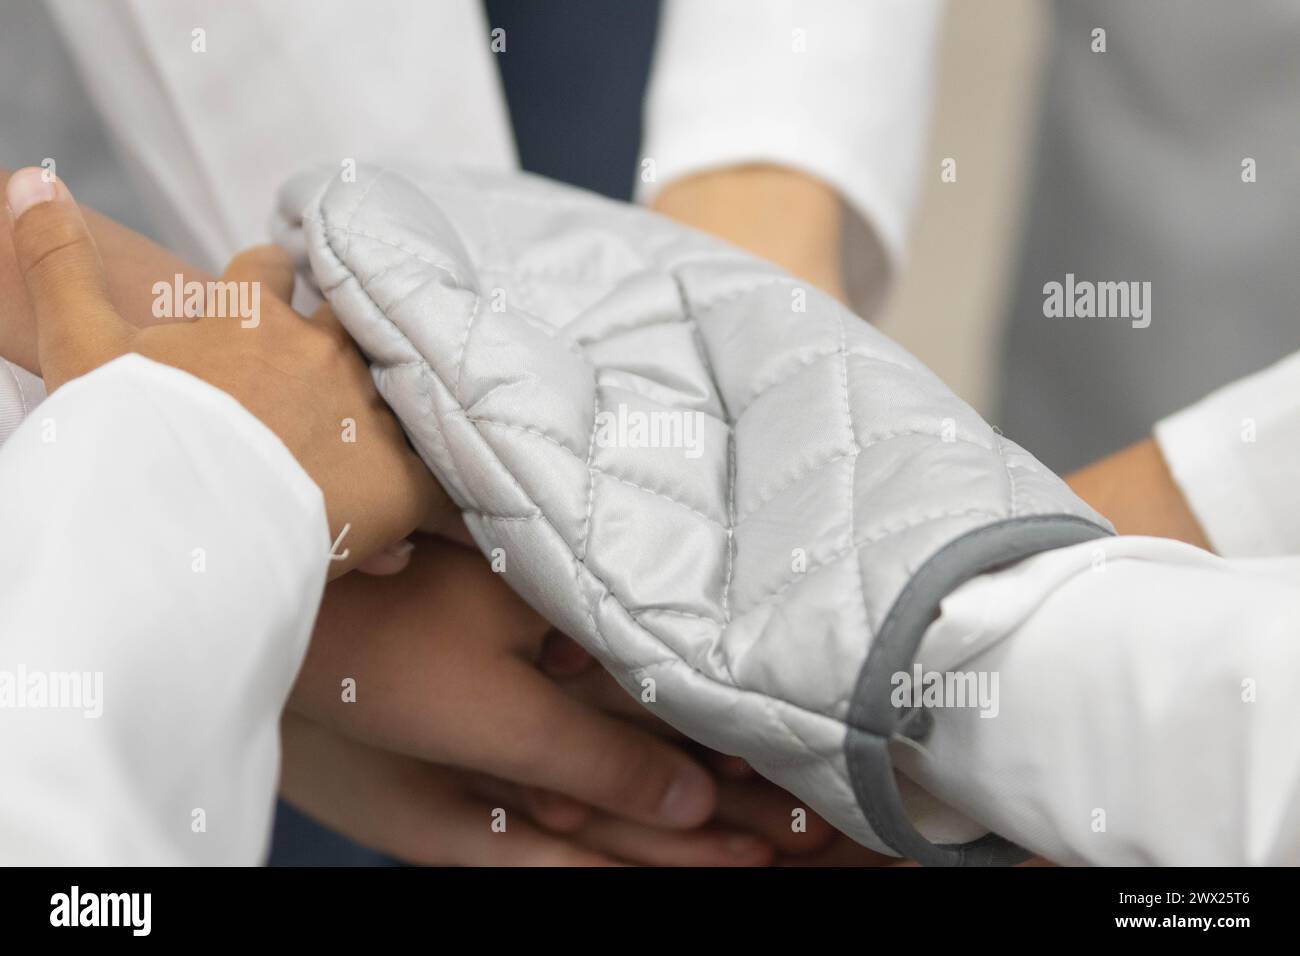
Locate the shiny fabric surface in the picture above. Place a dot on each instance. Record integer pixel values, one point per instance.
(712, 475)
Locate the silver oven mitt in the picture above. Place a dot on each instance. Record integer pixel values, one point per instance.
(738, 495)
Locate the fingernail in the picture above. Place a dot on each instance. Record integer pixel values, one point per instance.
(689, 799)
(27, 188)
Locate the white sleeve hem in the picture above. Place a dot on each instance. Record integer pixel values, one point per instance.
(836, 88)
(217, 405)
(1236, 457)
(161, 543)
(703, 149)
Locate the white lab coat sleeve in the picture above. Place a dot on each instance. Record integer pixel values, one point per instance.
(214, 105)
(20, 392)
(1236, 457)
(162, 558)
(1145, 706)
(840, 89)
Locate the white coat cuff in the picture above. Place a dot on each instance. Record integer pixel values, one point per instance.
(838, 89)
(1236, 457)
(159, 537)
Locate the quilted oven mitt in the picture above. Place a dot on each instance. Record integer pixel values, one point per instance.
(742, 498)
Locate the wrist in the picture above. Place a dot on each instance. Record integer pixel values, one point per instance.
(780, 214)
(1136, 491)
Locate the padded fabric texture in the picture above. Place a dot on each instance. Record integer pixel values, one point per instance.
(740, 562)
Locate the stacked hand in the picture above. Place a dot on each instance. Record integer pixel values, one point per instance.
(303, 378)
(436, 716)
(443, 667)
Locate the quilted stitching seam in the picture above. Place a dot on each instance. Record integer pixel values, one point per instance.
(887, 531)
(595, 469)
(357, 208)
(426, 372)
(1011, 478)
(768, 702)
(326, 290)
(853, 469)
(701, 347)
(675, 613)
(464, 341)
(771, 706)
(837, 456)
(766, 598)
(622, 330)
(351, 231)
(705, 306)
(807, 362)
(591, 477)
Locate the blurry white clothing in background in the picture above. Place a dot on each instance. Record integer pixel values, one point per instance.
(838, 88)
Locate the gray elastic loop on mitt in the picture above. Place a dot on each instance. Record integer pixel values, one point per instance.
(873, 720)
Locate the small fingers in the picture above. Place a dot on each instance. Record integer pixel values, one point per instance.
(417, 812)
(635, 843)
(554, 811)
(596, 687)
(555, 742)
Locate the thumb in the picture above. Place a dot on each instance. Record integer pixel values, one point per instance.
(77, 327)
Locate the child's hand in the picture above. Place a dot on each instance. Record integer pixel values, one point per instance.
(746, 801)
(304, 379)
(422, 813)
(439, 663)
(451, 667)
